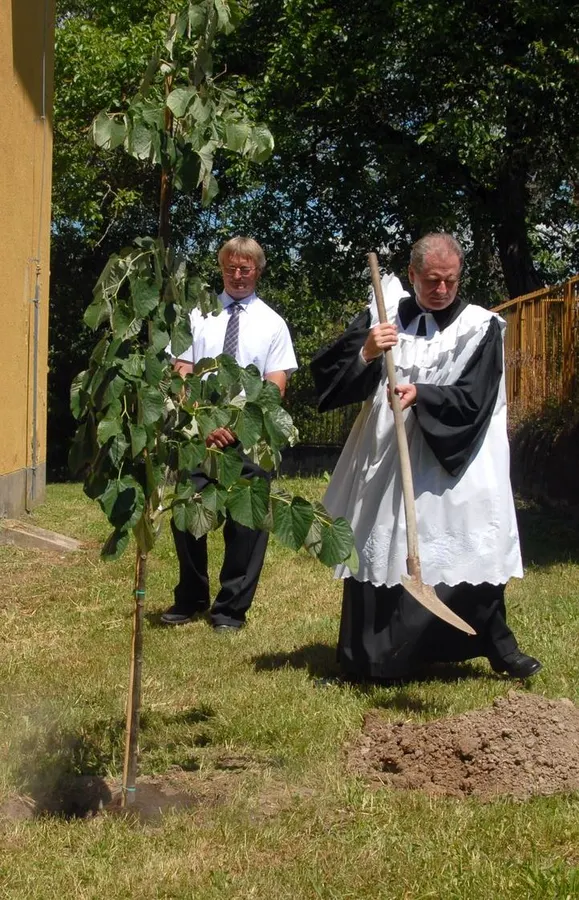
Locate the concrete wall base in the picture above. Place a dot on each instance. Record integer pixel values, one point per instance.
(16, 491)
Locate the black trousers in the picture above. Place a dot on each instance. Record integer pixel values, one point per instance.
(386, 633)
(242, 564)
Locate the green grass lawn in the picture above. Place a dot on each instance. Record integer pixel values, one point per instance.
(242, 722)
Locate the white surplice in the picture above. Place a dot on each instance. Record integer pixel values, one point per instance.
(467, 529)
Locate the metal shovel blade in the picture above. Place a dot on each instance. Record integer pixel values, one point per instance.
(425, 595)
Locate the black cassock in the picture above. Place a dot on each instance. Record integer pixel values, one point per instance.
(384, 631)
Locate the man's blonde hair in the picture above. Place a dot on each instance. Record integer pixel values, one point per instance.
(242, 246)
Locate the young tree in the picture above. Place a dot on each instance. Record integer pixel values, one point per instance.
(142, 427)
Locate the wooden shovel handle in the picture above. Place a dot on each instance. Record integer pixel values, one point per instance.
(413, 561)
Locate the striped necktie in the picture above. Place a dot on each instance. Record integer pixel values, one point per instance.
(232, 330)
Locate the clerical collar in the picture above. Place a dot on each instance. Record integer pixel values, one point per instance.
(226, 300)
(409, 309)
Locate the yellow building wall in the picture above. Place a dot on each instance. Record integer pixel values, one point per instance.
(26, 67)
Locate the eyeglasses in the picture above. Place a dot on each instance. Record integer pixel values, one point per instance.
(243, 270)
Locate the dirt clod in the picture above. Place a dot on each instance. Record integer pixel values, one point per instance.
(521, 746)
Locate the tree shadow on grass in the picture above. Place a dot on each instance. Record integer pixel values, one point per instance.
(64, 770)
(548, 535)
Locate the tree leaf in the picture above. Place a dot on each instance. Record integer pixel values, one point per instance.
(210, 418)
(248, 501)
(210, 189)
(236, 135)
(154, 367)
(124, 323)
(109, 427)
(260, 144)
(191, 454)
(144, 534)
(96, 312)
(179, 99)
(199, 517)
(145, 294)
(106, 132)
(133, 366)
(249, 425)
(337, 542)
(115, 545)
(251, 382)
(159, 336)
(270, 397)
(215, 497)
(138, 438)
(76, 395)
(151, 405)
(117, 448)
(179, 511)
(292, 521)
(229, 372)
(278, 425)
(229, 466)
(139, 140)
(123, 502)
(206, 158)
(181, 338)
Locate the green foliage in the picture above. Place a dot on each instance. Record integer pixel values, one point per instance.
(395, 129)
(143, 427)
(204, 117)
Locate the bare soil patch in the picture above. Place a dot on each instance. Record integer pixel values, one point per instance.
(523, 745)
(85, 796)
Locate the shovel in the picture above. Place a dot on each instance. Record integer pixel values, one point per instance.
(412, 582)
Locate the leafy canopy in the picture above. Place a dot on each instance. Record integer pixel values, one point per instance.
(143, 427)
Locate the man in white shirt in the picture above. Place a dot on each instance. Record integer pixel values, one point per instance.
(253, 333)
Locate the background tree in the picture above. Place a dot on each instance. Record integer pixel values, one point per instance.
(397, 118)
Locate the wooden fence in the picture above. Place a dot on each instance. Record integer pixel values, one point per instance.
(541, 363)
(542, 348)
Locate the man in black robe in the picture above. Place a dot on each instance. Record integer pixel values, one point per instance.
(449, 362)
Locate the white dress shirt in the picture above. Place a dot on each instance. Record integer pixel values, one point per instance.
(264, 338)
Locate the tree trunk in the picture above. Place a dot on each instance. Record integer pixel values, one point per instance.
(509, 204)
(134, 698)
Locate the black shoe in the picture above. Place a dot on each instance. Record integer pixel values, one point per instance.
(516, 665)
(174, 617)
(224, 628)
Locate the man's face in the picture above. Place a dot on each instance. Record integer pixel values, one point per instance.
(239, 276)
(437, 284)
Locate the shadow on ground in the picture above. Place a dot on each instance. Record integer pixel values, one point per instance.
(320, 662)
(318, 659)
(64, 771)
(548, 535)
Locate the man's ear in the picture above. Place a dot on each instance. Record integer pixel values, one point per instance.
(411, 275)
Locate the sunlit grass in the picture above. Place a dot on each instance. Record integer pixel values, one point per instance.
(285, 820)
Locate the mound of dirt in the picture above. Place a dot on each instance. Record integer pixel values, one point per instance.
(522, 745)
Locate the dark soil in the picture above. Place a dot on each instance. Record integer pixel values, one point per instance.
(85, 796)
(523, 745)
